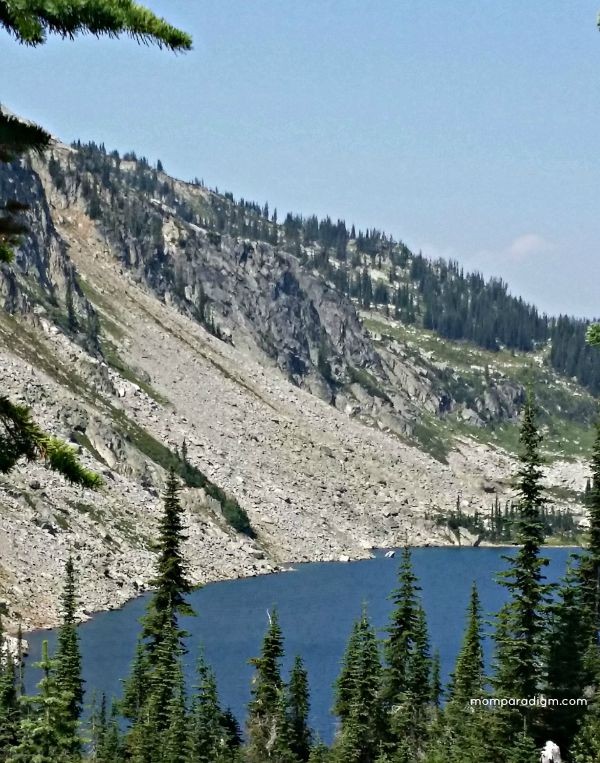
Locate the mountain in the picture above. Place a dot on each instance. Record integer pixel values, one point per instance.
(320, 391)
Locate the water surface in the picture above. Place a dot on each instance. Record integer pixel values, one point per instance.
(317, 605)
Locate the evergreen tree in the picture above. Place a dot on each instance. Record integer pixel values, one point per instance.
(320, 753)
(401, 631)
(590, 562)
(358, 699)
(568, 645)
(9, 704)
(266, 691)
(436, 681)
(232, 734)
(468, 679)
(170, 584)
(519, 636)
(136, 688)
(175, 738)
(47, 732)
(207, 732)
(68, 655)
(280, 747)
(299, 705)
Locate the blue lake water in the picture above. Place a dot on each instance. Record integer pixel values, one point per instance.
(317, 605)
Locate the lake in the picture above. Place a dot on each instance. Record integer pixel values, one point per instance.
(317, 604)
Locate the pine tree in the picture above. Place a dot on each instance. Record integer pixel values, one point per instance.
(206, 737)
(462, 736)
(567, 651)
(136, 688)
(320, 753)
(436, 681)
(232, 735)
(400, 640)
(170, 584)
(68, 655)
(467, 681)
(280, 748)
(519, 636)
(358, 699)
(174, 741)
(586, 747)
(9, 704)
(31, 24)
(299, 705)
(267, 687)
(47, 733)
(590, 562)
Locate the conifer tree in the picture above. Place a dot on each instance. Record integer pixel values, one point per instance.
(9, 705)
(266, 691)
(135, 691)
(47, 732)
(519, 636)
(21, 437)
(590, 561)
(437, 689)
(320, 753)
(299, 705)
(232, 735)
(280, 747)
(358, 699)
(400, 640)
(98, 726)
(586, 746)
(207, 735)
(171, 584)
(468, 680)
(462, 735)
(175, 737)
(568, 649)
(68, 655)
(150, 737)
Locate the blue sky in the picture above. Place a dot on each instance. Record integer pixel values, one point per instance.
(469, 129)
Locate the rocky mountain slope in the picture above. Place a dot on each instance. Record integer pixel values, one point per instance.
(142, 331)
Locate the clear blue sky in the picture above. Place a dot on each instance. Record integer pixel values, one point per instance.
(469, 129)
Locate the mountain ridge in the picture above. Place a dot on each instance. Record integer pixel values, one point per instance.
(319, 422)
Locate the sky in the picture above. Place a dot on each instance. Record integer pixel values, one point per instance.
(467, 129)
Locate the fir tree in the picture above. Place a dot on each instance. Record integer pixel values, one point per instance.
(320, 753)
(47, 732)
(568, 645)
(436, 681)
(467, 681)
(170, 584)
(9, 704)
(68, 655)
(401, 631)
(136, 687)
(358, 697)
(21, 437)
(207, 733)
(519, 636)
(266, 691)
(280, 746)
(232, 734)
(299, 705)
(590, 562)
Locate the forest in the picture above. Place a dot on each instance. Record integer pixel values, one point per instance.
(370, 267)
(390, 702)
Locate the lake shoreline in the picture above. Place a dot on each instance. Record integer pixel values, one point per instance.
(284, 567)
